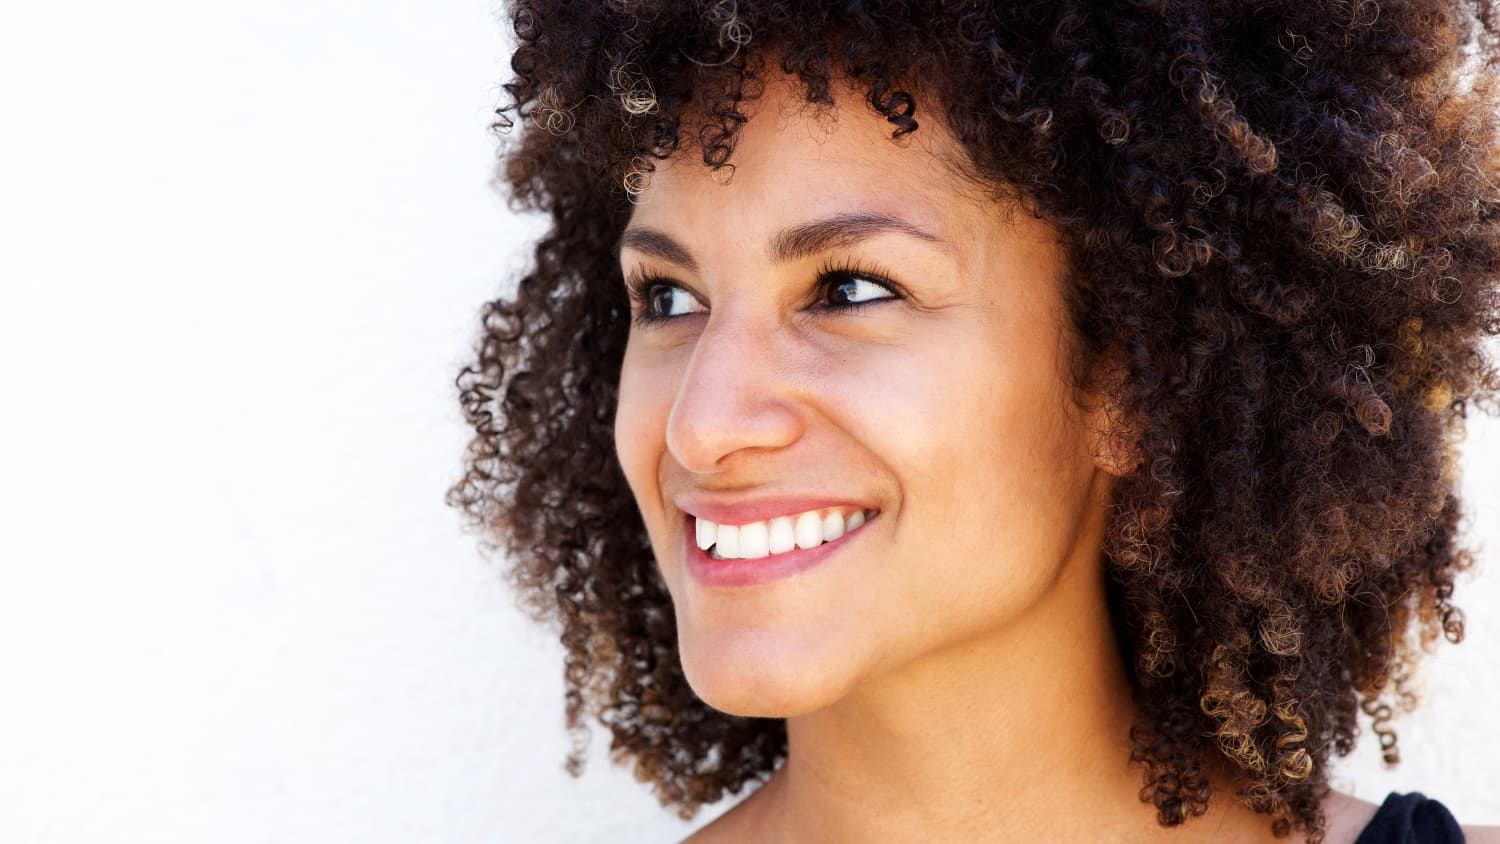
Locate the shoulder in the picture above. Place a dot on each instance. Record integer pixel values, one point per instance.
(1401, 817)
(1347, 816)
(722, 830)
(744, 821)
(734, 825)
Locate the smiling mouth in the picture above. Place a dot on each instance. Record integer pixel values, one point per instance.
(716, 573)
(831, 532)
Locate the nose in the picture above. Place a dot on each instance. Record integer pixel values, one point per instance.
(737, 395)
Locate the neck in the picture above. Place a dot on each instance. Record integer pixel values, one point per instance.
(985, 740)
(1022, 734)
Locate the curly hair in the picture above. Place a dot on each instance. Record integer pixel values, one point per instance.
(1281, 216)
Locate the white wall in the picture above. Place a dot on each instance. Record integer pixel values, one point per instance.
(241, 251)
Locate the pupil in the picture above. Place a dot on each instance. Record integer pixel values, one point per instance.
(839, 288)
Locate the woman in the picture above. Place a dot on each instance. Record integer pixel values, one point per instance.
(993, 421)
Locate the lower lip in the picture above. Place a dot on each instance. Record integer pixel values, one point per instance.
(724, 573)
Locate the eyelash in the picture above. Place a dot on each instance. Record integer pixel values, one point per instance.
(641, 283)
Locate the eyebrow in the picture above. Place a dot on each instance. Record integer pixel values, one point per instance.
(790, 244)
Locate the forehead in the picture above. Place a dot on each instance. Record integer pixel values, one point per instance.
(793, 162)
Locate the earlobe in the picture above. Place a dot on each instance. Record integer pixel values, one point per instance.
(1116, 449)
(1115, 443)
(1125, 460)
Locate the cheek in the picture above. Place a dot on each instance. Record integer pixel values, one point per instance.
(971, 432)
(639, 426)
(989, 466)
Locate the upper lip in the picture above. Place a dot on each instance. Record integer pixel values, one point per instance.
(739, 511)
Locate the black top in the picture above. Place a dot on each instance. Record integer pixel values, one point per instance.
(1411, 818)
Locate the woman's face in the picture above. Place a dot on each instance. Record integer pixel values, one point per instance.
(944, 405)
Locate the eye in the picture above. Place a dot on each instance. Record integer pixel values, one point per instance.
(849, 286)
(839, 283)
(659, 296)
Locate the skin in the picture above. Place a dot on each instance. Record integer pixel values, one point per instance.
(954, 676)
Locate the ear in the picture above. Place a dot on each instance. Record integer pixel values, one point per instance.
(1114, 434)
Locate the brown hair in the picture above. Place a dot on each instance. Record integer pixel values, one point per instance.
(1281, 218)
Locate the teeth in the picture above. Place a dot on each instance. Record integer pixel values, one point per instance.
(809, 530)
(728, 541)
(782, 537)
(779, 535)
(754, 540)
(833, 526)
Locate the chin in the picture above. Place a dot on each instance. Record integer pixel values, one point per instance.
(755, 680)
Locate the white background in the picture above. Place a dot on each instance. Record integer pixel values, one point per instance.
(242, 248)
